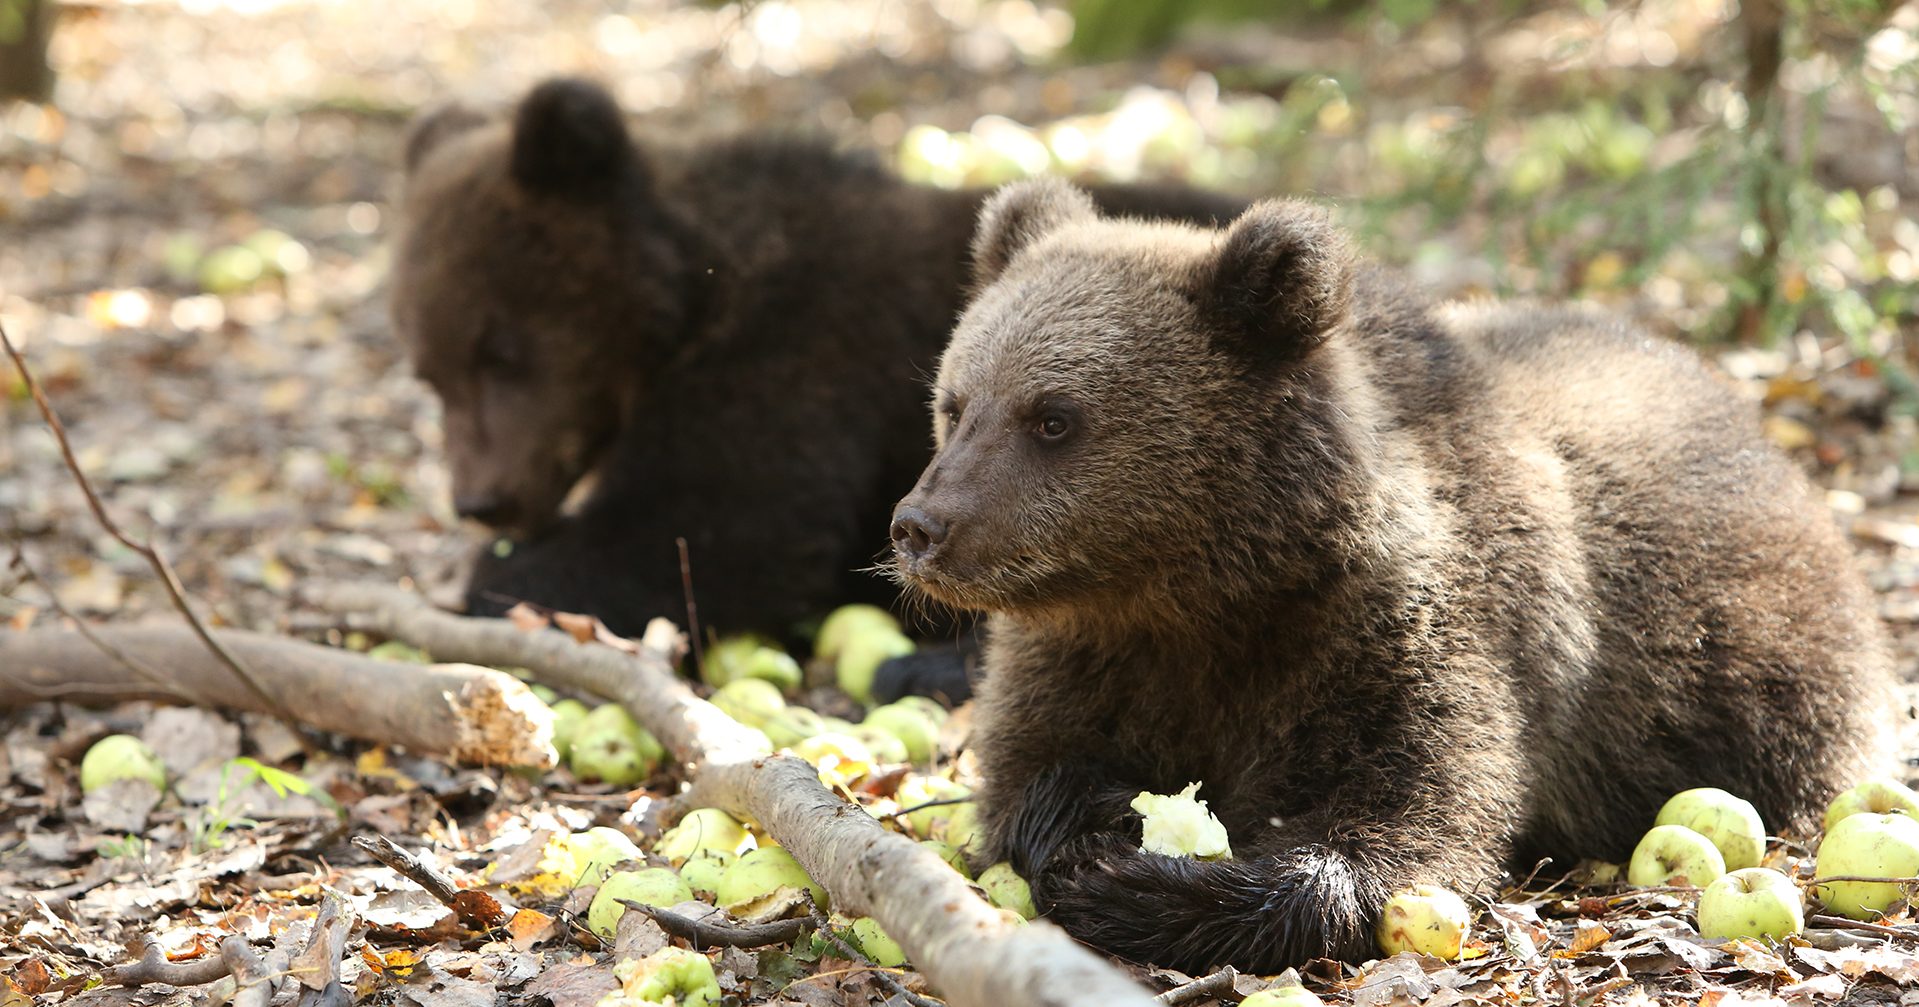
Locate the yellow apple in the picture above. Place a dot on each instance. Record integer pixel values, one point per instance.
(1879, 796)
(1730, 822)
(1751, 902)
(1674, 855)
(1873, 846)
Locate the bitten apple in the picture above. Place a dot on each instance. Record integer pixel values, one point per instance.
(1424, 918)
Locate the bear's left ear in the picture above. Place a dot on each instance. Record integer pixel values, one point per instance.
(1017, 215)
(436, 126)
(1280, 281)
(570, 138)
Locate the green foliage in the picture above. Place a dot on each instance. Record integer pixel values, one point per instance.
(208, 826)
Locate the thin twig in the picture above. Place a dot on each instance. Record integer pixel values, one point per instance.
(1842, 923)
(475, 908)
(704, 932)
(1857, 877)
(885, 979)
(146, 550)
(1205, 986)
(923, 805)
(692, 610)
(121, 657)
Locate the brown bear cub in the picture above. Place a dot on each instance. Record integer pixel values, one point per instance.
(1417, 591)
(734, 336)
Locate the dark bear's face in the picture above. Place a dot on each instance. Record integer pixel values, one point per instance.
(534, 277)
(1100, 390)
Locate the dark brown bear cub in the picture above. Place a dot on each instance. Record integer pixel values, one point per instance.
(1415, 590)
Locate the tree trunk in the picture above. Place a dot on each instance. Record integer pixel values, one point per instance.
(25, 28)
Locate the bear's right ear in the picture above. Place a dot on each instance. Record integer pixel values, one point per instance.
(1280, 281)
(569, 138)
(1019, 214)
(436, 126)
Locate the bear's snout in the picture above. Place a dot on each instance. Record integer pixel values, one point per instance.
(916, 534)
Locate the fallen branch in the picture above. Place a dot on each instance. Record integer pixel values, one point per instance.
(706, 933)
(1842, 923)
(961, 944)
(1199, 989)
(475, 715)
(476, 909)
(153, 967)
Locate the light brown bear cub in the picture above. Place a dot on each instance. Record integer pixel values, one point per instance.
(1417, 590)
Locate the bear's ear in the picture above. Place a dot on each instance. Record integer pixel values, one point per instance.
(1019, 214)
(569, 138)
(1280, 281)
(436, 126)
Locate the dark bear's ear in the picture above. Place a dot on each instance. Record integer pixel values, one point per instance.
(1280, 281)
(1019, 214)
(436, 126)
(569, 137)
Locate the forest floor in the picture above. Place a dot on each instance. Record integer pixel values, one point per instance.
(194, 261)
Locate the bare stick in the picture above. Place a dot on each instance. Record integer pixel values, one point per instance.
(475, 908)
(851, 953)
(1842, 923)
(960, 943)
(80, 625)
(692, 610)
(158, 562)
(1858, 877)
(474, 715)
(706, 933)
(253, 974)
(1201, 988)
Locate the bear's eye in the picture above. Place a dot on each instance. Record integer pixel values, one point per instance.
(1053, 427)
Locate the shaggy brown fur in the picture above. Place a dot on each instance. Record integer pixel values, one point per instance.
(734, 335)
(1416, 590)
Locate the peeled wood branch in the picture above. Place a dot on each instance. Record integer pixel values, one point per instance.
(972, 955)
(474, 715)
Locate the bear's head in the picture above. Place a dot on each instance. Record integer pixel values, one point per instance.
(1112, 405)
(537, 274)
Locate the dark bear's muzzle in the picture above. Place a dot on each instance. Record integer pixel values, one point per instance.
(916, 534)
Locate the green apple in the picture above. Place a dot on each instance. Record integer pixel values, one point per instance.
(702, 871)
(610, 745)
(751, 701)
(861, 656)
(791, 726)
(918, 733)
(726, 659)
(931, 708)
(1674, 855)
(761, 872)
(849, 621)
(1007, 890)
(567, 714)
(701, 829)
(962, 830)
(1424, 918)
(1178, 825)
(1873, 846)
(886, 748)
(655, 886)
(1730, 822)
(949, 854)
(926, 823)
(873, 942)
(120, 757)
(1751, 902)
(1879, 796)
(773, 666)
(670, 975)
(1284, 996)
(586, 858)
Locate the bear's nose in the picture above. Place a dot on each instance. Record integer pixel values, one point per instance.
(489, 509)
(916, 533)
